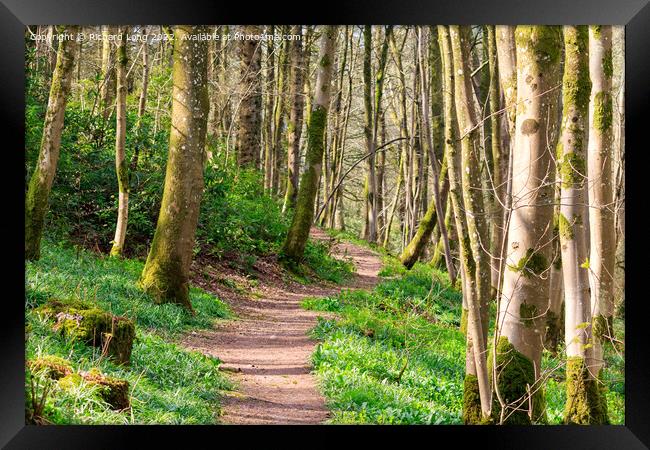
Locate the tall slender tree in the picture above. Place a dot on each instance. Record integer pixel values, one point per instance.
(166, 272)
(40, 183)
(524, 298)
(294, 127)
(478, 272)
(121, 166)
(602, 253)
(294, 245)
(584, 403)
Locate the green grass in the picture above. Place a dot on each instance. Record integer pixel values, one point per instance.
(169, 385)
(395, 354)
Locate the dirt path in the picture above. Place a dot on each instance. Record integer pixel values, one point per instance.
(268, 350)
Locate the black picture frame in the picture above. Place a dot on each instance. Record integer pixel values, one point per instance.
(15, 14)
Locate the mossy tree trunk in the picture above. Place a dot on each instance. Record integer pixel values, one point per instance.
(294, 128)
(107, 90)
(479, 271)
(522, 307)
(166, 272)
(121, 167)
(294, 245)
(476, 397)
(40, 184)
(499, 164)
(250, 120)
(584, 403)
(602, 240)
(279, 113)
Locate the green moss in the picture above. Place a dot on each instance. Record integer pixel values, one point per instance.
(527, 314)
(586, 403)
(573, 170)
(603, 111)
(565, 227)
(472, 413)
(532, 263)
(515, 374)
(51, 366)
(113, 391)
(576, 84)
(597, 30)
(93, 326)
(70, 381)
(608, 63)
(544, 40)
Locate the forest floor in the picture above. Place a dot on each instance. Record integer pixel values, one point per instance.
(267, 349)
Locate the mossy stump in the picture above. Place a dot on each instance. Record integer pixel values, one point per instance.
(113, 391)
(51, 366)
(89, 324)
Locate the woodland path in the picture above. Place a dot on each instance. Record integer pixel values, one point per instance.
(267, 350)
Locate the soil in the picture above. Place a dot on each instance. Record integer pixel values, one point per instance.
(266, 350)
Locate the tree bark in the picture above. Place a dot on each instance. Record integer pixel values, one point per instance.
(584, 403)
(40, 184)
(121, 166)
(166, 272)
(294, 128)
(107, 91)
(248, 141)
(524, 299)
(602, 240)
(294, 246)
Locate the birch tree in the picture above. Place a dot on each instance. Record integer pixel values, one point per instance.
(250, 121)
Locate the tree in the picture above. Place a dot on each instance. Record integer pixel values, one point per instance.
(435, 210)
(294, 127)
(250, 57)
(121, 167)
(478, 273)
(584, 403)
(40, 184)
(524, 298)
(294, 245)
(166, 272)
(107, 90)
(602, 240)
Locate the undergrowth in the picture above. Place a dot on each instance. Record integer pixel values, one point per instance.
(168, 384)
(395, 355)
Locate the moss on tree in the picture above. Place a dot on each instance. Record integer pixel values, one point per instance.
(515, 381)
(603, 111)
(533, 263)
(586, 402)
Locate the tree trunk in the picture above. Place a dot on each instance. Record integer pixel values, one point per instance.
(107, 91)
(523, 304)
(40, 184)
(602, 240)
(248, 141)
(294, 128)
(584, 404)
(166, 272)
(294, 246)
(121, 167)
(478, 272)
